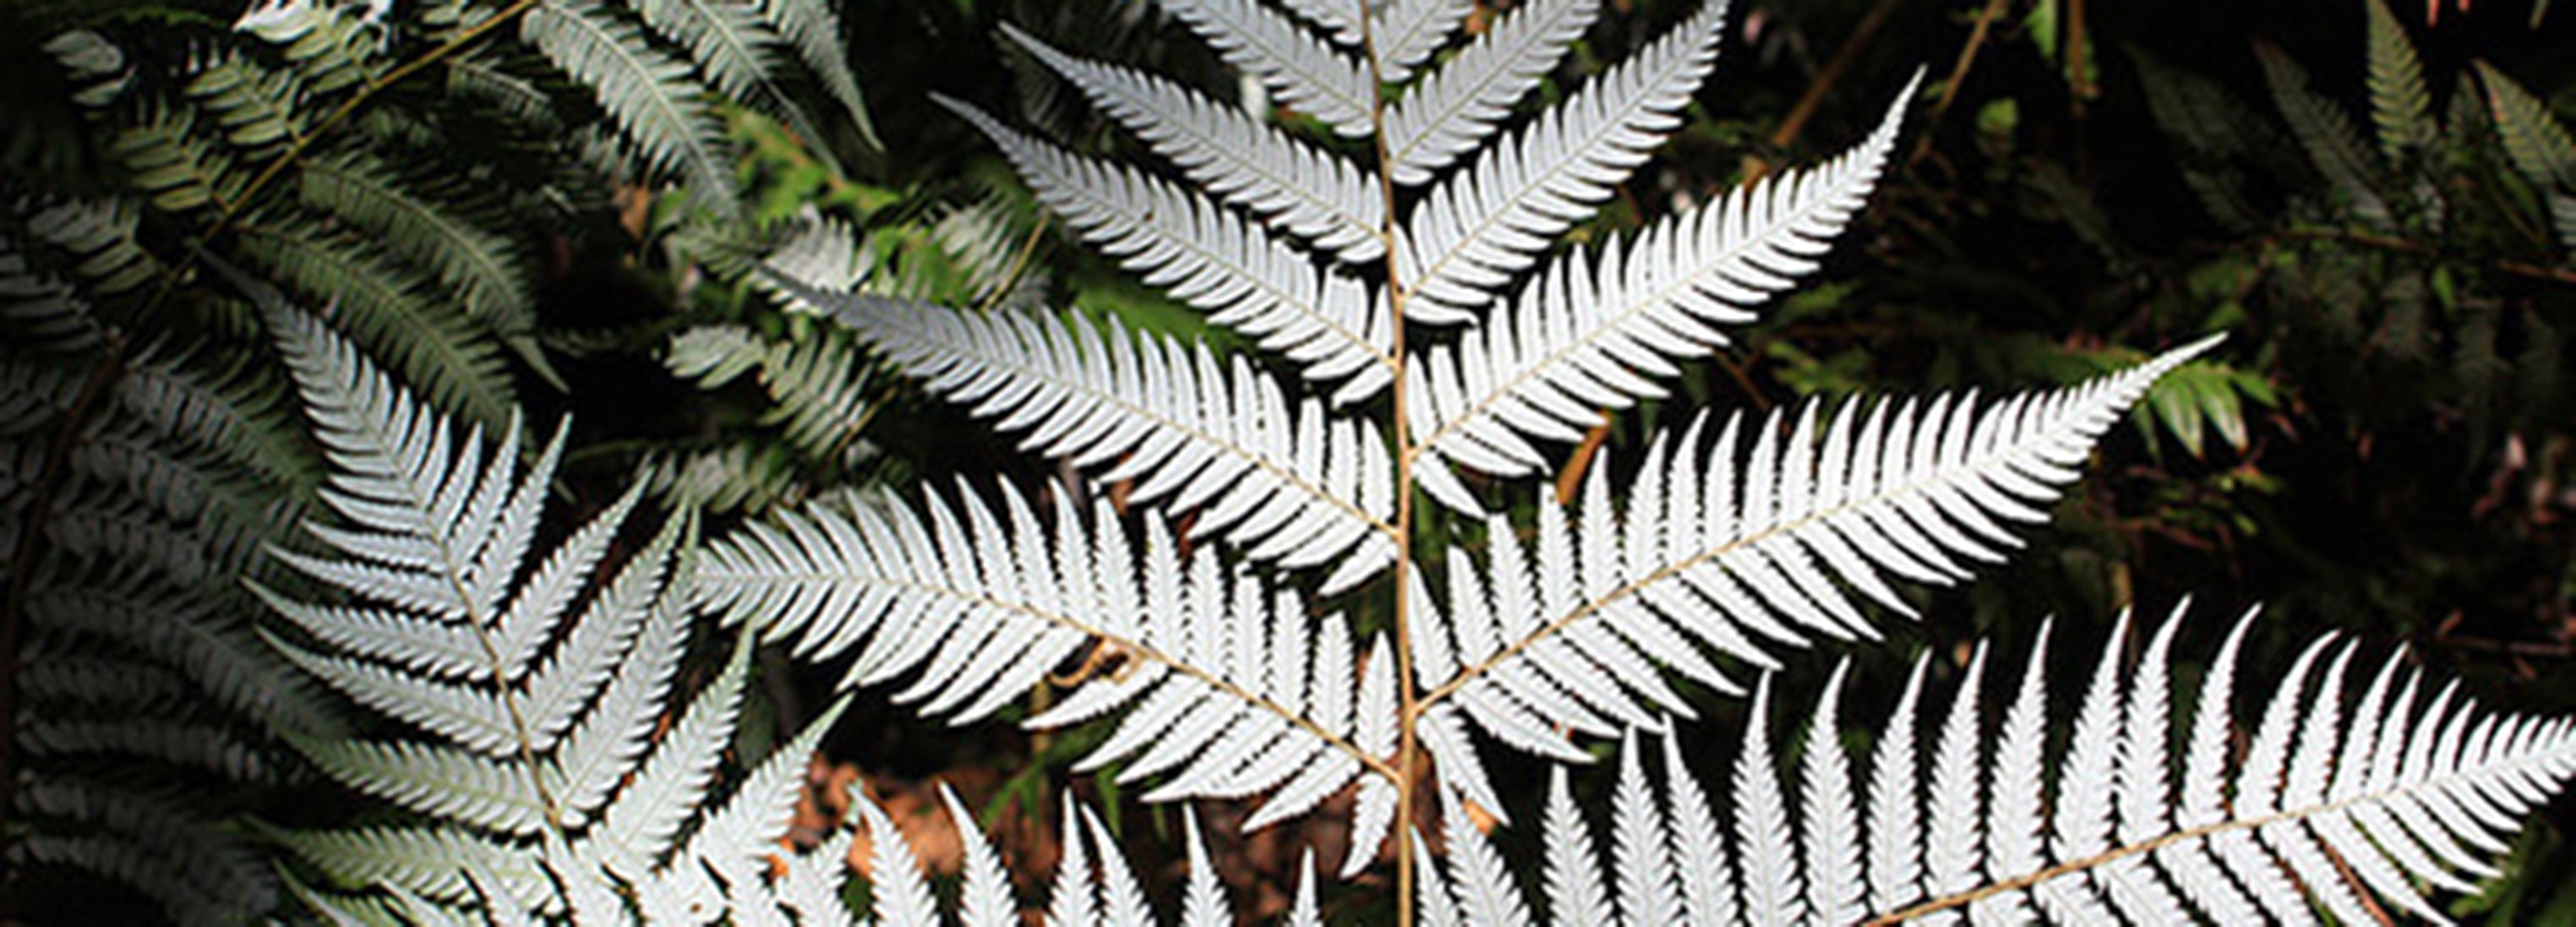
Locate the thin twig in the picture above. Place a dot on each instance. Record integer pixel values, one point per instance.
(2406, 246)
(1958, 72)
(1831, 74)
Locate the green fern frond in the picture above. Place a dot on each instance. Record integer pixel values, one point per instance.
(476, 76)
(163, 740)
(94, 64)
(2332, 144)
(384, 307)
(2399, 103)
(172, 628)
(332, 45)
(2538, 146)
(816, 378)
(416, 223)
(99, 239)
(744, 476)
(39, 310)
(178, 169)
(255, 107)
(657, 105)
(231, 416)
(161, 844)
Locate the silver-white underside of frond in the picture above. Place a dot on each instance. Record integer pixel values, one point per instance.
(2409, 792)
(1296, 485)
(1598, 330)
(1737, 551)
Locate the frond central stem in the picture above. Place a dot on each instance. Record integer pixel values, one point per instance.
(1408, 747)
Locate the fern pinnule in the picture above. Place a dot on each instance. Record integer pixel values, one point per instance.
(1303, 71)
(1477, 229)
(1450, 112)
(651, 95)
(1314, 194)
(1214, 260)
(1287, 481)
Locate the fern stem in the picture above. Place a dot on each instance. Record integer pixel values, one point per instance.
(1958, 72)
(1409, 701)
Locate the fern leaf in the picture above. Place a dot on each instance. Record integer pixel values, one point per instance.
(1484, 889)
(1641, 845)
(606, 742)
(1304, 72)
(1574, 893)
(173, 628)
(456, 366)
(1830, 841)
(2333, 146)
(1298, 489)
(650, 95)
(2538, 146)
(160, 843)
(1303, 190)
(2400, 106)
(1588, 335)
(2404, 813)
(1477, 229)
(1215, 667)
(1404, 33)
(644, 820)
(814, 31)
(1450, 113)
(179, 169)
(480, 265)
(1699, 562)
(435, 780)
(1208, 257)
(100, 235)
(733, 838)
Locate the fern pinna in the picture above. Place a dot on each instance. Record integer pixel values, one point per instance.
(1287, 619)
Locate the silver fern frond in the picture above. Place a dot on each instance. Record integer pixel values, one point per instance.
(1288, 482)
(2410, 791)
(1596, 330)
(1309, 192)
(1212, 259)
(1560, 637)
(1232, 689)
(1448, 115)
(1483, 225)
(541, 791)
(1303, 71)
